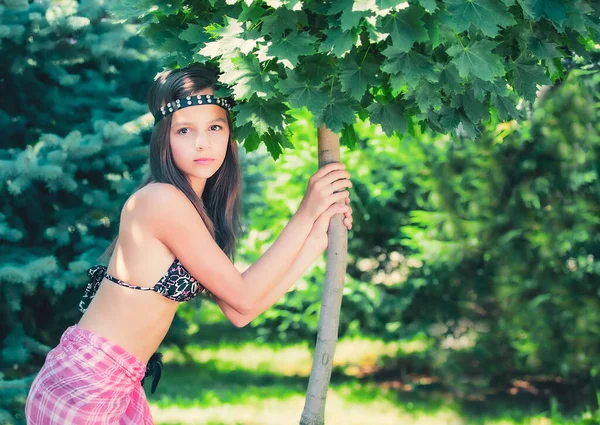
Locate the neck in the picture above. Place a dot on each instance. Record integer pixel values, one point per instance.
(198, 185)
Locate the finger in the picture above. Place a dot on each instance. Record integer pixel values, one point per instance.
(340, 184)
(327, 168)
(332, 177)
(338, 196)
(334, 209)
(348, 223)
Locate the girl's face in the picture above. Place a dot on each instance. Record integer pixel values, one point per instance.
(197, 133)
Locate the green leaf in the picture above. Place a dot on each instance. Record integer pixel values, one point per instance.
(545, 51)
(482, 88)
(528, 75)
(428, 96)
(477, 59)
(506, 109)
(450, 80)
(386, 4)
(281, 20)
(263, 115)
(349, 137)
(355, 78)
(317, 68)
(230, 40)
(246, 135)
(390, 116)
(166, 8)
(250, 12)
(301, 93)
(405, 28)
(554, 10)
(475, 109)
(577, 19)
(429, 5)
(194, 34)
(241, 132)
(289, 4)
(274, 143)
(408, 68)
(372, 25)
(454, 120)
(337, 112)
(350, 19)
(486, 15)
(247, 78)
(287, 49)
(436, 32)
(339, 43)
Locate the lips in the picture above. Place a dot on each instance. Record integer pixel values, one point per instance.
(203, 160)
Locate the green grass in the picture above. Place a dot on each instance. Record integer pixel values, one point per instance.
(217, 381)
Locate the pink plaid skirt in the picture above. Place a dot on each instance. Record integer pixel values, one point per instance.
(88, 380)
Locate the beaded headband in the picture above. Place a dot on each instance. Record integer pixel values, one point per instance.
(201, 99)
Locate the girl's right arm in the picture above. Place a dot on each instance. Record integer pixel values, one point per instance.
(171, 217)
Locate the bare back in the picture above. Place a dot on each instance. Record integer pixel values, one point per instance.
(136, 320)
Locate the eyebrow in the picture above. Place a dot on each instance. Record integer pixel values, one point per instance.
(190, 123)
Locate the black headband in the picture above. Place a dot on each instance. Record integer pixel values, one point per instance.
(201, 99)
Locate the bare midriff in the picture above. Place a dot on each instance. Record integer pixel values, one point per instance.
(136, 320)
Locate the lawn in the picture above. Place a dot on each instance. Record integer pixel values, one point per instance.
(247, 382)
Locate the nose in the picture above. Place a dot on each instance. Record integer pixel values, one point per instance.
(202, 141)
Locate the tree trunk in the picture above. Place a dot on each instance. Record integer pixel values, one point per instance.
(320, 374)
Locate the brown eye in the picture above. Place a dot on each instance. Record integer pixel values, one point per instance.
(181, 129)
(216, 127)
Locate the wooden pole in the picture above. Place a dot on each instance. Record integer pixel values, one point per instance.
(320, 374)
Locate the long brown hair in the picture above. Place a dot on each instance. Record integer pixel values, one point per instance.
(220, 205)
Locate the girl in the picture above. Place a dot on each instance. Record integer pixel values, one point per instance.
(183, 220)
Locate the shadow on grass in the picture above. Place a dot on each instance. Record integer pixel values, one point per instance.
(199, 384)
(190, 383)
(403, 381)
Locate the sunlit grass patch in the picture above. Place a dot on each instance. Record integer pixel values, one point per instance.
(272, 411)
(251, 383)
(249, 372)
(293, 359)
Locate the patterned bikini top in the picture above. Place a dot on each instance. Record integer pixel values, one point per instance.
(177, 284)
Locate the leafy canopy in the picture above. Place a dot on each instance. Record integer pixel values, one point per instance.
(443, 65)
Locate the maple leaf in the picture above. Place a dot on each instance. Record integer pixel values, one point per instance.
(485, 15)
(355, 78)
(477, 59)
(405, 28)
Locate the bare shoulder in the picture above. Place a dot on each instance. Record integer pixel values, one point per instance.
(166, 213)
(148, 204)
(153, 195)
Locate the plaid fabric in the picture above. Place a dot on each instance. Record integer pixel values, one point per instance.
(88, 380)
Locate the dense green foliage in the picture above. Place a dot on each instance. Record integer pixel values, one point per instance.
(444, 65)
(73, 85)
(490, 248)
(72, 153)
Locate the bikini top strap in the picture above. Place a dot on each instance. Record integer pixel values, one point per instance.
(97, 273)
(120, 282)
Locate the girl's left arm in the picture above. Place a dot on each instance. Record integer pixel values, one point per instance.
(313, 247)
